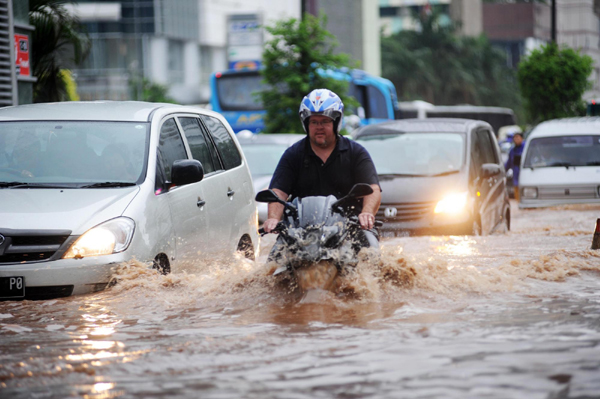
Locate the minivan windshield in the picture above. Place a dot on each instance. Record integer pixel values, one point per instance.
(566, 151)
(416, 154)
(72, 153)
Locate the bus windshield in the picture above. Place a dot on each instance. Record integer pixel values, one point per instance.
(240, 92)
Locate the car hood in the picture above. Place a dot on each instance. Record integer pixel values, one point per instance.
(62, 209)
(395, 190)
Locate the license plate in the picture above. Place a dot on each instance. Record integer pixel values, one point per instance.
(12, 287)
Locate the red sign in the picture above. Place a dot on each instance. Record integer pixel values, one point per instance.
(22, 55)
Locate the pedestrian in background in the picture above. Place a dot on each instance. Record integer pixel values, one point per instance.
(514, 161)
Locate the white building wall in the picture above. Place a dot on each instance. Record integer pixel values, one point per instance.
(159, 54)
(371, 37)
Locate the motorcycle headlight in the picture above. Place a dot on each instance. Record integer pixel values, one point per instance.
(452, 203)
(110, 237)
(329, 236)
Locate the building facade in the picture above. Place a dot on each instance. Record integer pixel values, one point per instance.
(173, 43)
(519, 28)
(398, 15)
(16, 75)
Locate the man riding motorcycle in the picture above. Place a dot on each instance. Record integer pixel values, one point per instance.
(325, 163)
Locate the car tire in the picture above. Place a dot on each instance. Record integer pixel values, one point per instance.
(506, 222)
(245, 247)
(161, 263)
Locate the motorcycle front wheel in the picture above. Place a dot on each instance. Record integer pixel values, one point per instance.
(316, 276)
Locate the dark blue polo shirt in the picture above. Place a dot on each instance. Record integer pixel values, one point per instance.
(302, 173)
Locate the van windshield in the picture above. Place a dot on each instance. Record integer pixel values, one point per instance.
(416, 154)
(564, 151)
(73, 153)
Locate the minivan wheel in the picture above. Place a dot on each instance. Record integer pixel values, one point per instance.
(161, 263)
(246, 248)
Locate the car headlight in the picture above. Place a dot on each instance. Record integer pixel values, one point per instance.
(452, 203)
(530, 192)
(110, 237)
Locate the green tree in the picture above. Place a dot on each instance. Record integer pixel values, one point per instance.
(56, 41)
(552, 82)
(438, 66)
(291, 60)
(144, 90)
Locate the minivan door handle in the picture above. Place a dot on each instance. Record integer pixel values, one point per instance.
(230, 193)
(200, 202)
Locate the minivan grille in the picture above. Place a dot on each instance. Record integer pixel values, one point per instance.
(562, 192)
(405, 211)
(29, 246)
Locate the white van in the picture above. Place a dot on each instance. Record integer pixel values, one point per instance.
(85, 186)
(561, 163)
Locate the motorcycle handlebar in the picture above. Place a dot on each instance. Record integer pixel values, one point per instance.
(281, 227)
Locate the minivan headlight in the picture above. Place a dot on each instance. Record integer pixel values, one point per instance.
(452, 203)
(530, 192)
(110, 237)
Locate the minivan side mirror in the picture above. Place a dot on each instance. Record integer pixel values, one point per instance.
(186, 171)
(489, 170)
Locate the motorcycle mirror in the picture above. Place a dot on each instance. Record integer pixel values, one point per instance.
(357, 191)
(360, 190)
(267, 196)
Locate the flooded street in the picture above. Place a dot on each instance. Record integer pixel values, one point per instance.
(502, 316)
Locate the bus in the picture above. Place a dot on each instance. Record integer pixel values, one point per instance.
(234, 94)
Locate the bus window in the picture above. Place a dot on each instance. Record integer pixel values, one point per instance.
(377, 104)
(240, 92)
(593, 109)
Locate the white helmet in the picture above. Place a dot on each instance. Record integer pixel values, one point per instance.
(322, 102)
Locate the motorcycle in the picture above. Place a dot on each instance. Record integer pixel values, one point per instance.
(319, 237)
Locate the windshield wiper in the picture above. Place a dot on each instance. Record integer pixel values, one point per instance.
(108, 184)
(450, 172)
(5, 184)
(565, 164)
(391, 175)
(18, 184)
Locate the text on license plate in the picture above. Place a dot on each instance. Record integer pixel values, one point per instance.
(12, 287)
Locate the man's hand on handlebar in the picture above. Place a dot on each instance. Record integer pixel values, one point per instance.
(366, 220)
(270, 225)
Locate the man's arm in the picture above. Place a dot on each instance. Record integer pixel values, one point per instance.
(370, 207)
(275, 211)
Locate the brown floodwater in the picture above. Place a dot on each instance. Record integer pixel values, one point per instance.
(515, 315)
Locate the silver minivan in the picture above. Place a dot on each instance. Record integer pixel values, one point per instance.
(560, 163)
(85, 186)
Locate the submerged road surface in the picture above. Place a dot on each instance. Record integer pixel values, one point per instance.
(502, 316)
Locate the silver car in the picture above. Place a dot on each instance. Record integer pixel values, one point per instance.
(438, 176)
(85, 186)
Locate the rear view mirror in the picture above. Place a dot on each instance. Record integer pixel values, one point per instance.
(360, 190)
(357, 191)
(489, 170)
(267, 196)
(186, 171)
